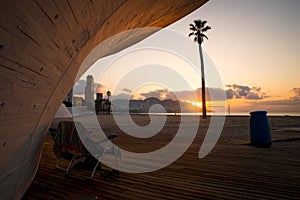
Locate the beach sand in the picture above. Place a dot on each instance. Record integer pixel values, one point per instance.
(232, 170)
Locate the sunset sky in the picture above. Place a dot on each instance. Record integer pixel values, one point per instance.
(253, 45)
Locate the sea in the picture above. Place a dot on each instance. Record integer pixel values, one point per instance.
(226, 114)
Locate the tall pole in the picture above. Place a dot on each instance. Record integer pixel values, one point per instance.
(203, 83)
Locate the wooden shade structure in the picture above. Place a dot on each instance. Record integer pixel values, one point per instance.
(42, 45)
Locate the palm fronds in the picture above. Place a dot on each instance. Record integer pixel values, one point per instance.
(198, 29)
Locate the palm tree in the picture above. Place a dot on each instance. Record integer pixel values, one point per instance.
(198, 28)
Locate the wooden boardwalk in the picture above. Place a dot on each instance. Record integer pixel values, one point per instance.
(233, 170)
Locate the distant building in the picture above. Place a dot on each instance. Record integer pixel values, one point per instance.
(89, 91)
(78, 101)
(102, 106)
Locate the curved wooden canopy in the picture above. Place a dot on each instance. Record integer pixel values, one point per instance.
(42, 44)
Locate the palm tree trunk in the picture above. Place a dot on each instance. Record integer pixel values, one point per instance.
(203, 83)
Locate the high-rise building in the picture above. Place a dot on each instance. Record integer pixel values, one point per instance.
(89, 91)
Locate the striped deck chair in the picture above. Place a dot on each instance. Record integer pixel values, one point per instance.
(69, 146)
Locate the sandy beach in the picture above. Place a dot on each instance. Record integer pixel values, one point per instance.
(232, 170)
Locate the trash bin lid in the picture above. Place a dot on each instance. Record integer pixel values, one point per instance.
(258, 112)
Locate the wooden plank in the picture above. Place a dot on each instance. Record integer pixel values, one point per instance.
(44, 38)
(37, 63)
(67, 13)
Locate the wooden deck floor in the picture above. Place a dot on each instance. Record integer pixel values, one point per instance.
(233, 170)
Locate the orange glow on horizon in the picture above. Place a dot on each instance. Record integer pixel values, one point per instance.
(195, 103)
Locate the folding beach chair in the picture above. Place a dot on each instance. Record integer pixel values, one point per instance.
(68, 146)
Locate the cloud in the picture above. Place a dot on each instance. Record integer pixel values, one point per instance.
(240, 91)
(290, 104)
(99, 88)
(281, 102)
(257, 89)
(246, 92)
(216, 94)
(233, 91)
(230, 93)
(296, 91)
(127, 90)
(297, 94)
(163, 94)
(253, 96)
(78, 88)
(293, 100)
(211, 93)
(182, 95)
(160, 94)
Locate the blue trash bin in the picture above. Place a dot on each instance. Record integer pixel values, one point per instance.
(260, 135)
